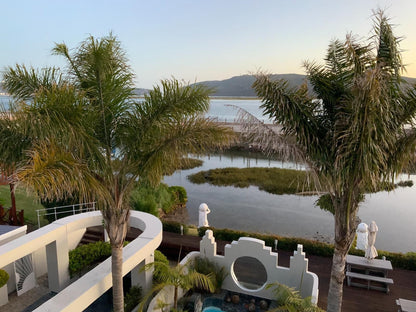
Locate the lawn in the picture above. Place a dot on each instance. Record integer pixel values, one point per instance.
(23, 201)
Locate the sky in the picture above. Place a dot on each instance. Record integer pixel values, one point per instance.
(198, 40)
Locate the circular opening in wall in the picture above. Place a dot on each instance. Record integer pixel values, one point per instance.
(249, 273)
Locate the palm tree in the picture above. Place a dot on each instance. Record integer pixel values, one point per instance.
(88, 134)
(289, 300)
(179, 276)
(354, 131)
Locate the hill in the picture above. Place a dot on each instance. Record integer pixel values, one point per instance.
(240, 86)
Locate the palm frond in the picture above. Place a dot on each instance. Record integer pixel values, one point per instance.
(53, 173)
(22, 83)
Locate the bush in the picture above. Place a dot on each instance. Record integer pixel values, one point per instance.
(132, 298)
(85, 256)
(160, 257)
(174, 227)
(179, 193)
(149, 199)
(4, 277)
(143, 199)
(398, 260)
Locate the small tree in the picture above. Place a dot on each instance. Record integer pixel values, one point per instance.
(179, 276)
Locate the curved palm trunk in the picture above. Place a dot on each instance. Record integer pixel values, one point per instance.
(12, 212)
(117, 276)
(345, 225)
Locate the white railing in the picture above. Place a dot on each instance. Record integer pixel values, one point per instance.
(69, 209)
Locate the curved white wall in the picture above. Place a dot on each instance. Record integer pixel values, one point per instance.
(56, 238)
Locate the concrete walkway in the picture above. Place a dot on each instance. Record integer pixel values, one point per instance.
(27, 301)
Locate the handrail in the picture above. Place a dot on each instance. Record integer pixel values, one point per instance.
(65, 209)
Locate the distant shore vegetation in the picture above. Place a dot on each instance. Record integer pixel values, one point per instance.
(272, 180)
(276, 181)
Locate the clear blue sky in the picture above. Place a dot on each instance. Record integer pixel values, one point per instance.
(197, 40)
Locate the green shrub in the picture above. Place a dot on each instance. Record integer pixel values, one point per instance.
(4, 277)
(84, 256)
(174, 227)
(399, 260)
(150, 199)
(143, 199)
(132, 298)
(179, 193)
(160, 257)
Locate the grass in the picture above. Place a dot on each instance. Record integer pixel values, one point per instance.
(23, 201)
(272, 180)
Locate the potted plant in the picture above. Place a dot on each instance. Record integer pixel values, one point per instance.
(4, 277)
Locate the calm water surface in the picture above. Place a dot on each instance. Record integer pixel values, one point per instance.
(290, 215)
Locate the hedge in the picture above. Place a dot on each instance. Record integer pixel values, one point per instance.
(399, 260)
(84, 256)
(175, 227)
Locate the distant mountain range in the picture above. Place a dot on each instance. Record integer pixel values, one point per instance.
(240, 86)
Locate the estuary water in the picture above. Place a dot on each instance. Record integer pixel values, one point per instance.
(290, 215)
(250, 209)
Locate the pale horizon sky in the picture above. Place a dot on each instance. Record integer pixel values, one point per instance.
(196, 40)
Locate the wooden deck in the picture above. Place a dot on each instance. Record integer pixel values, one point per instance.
(354, 298)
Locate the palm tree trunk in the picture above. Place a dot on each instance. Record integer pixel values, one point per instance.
(175, 298)
(345, 225)
(117, 275)
(337, 279)
(12, 212)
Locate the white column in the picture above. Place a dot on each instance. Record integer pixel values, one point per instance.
(58, 262)
(143, 278)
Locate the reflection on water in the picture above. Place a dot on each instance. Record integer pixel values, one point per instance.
(250, 209)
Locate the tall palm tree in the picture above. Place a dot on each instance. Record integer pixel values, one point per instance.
(88, 134)
(354, 131)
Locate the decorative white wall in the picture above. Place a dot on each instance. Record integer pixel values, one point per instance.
(296, 276)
